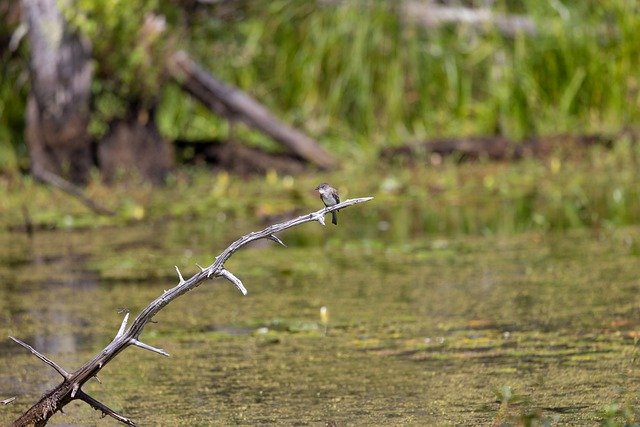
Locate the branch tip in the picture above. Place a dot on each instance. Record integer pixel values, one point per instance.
(276, 239)
(42, 357)
(179, 275)
(148, 347)
(99, 406)
(233, 279)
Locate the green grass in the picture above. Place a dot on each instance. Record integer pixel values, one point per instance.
(357, 71)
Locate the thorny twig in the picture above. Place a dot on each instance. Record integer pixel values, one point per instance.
(55, 399)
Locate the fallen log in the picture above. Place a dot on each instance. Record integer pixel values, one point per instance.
(233, 104)
(432, 15)
(237, 158)
(494, 148)
(71, 387)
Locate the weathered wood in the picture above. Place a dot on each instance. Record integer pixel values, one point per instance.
(71, 387)
(232, 103)
(58, 107)
(432, 15)
(7, 401)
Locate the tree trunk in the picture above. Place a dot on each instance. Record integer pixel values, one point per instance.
(58, 107)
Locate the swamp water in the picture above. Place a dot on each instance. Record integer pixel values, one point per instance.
(466, 330)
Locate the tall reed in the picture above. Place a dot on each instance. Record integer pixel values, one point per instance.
(360, 70)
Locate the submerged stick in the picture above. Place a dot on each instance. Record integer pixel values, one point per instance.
(70, 389)
(7, 401)
(71, 189)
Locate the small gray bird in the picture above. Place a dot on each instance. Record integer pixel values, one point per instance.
(329, 197)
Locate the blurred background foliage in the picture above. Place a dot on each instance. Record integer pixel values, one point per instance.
(360, 76)
(357, 75)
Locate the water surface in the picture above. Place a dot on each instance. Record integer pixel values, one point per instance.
(466, 330)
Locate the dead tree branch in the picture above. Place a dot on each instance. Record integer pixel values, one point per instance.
(98, 406)
(42, 357)
(70, 389)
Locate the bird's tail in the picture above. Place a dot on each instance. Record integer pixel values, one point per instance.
(334, 218)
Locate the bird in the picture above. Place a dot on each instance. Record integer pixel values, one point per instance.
(329, 197)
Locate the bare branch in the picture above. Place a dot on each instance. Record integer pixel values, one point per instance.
(42, 357)
(56, 398)
(215, 269)
(99, 406)
(233, 279)
(148, 347)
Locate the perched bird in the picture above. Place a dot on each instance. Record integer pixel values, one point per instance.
(329, 197)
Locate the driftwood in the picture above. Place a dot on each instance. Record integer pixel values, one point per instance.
(432, 15)
(7, 401)
(57, 115)
(71, 387)
(233, 104)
